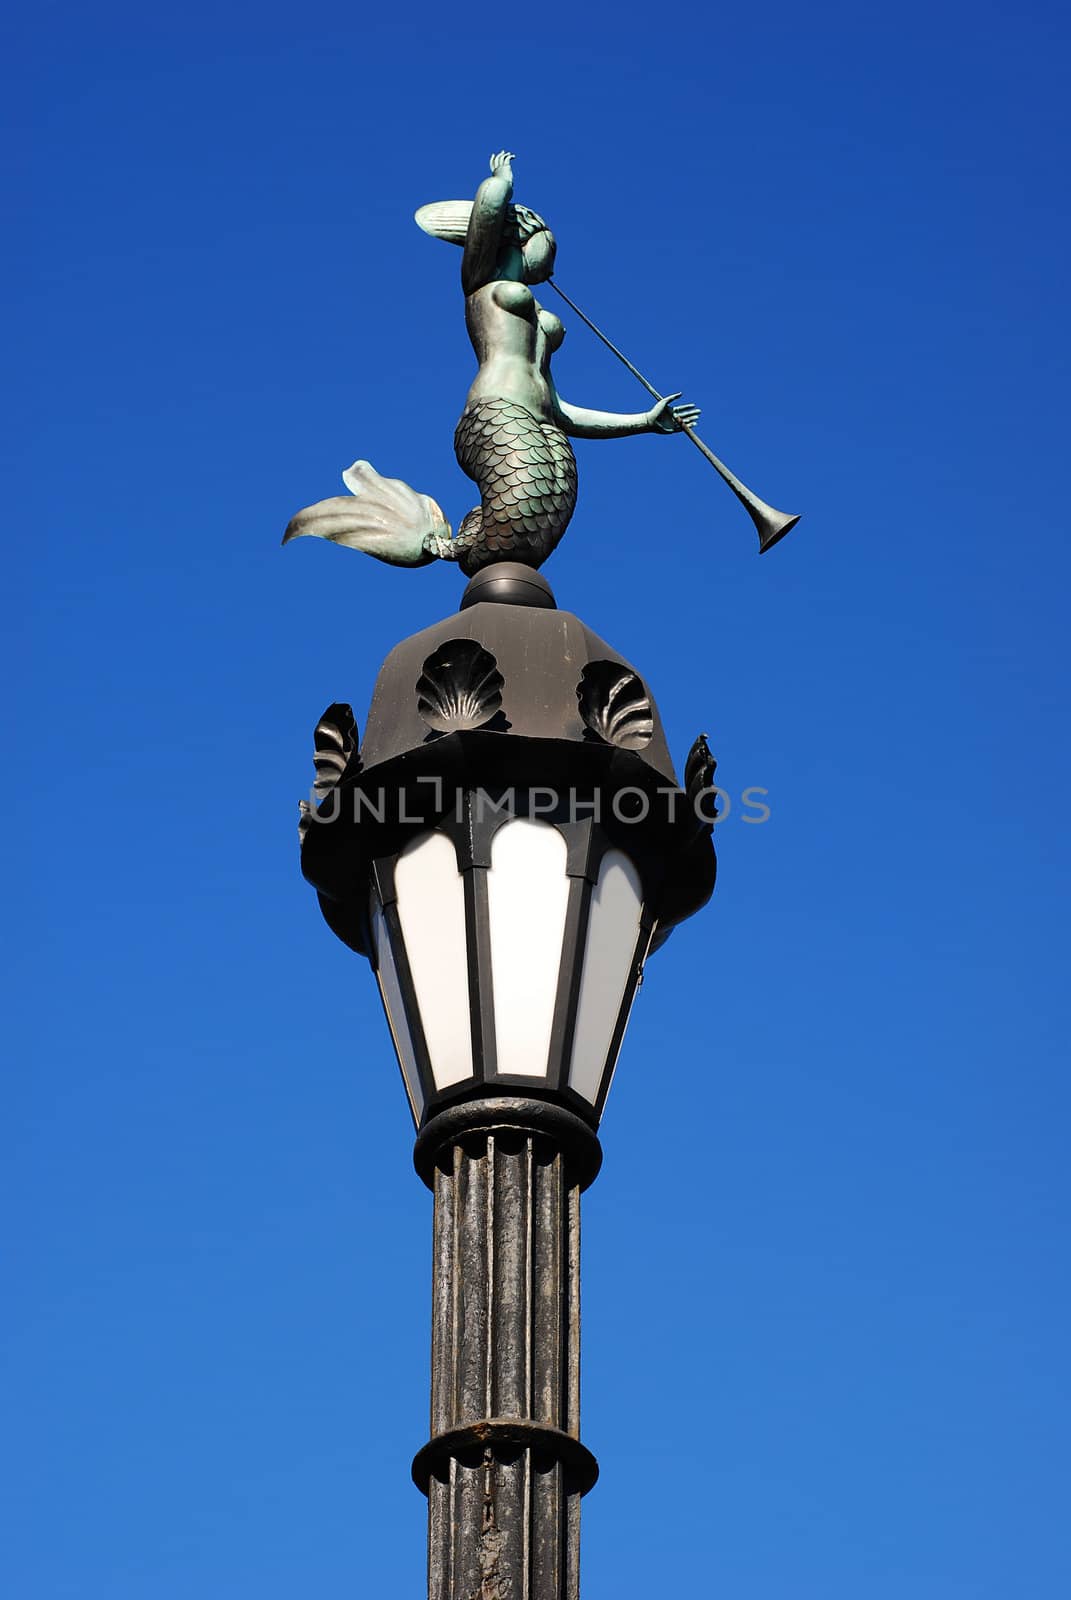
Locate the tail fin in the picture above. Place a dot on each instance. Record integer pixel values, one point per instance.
(385, 518)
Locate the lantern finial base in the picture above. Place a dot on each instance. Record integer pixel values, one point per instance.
(509, 583)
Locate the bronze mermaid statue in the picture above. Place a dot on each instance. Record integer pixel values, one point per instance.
(513, 436)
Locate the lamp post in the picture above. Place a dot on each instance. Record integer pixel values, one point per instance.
(507, 845)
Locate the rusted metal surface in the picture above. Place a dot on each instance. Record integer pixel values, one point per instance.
(504, 1469)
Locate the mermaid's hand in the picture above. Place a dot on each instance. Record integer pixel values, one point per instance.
(665, 417)
(500, 164)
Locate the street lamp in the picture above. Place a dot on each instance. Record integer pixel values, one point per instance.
(507, 844)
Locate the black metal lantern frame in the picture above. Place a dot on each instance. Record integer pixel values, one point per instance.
(472, 829)
(606, 803)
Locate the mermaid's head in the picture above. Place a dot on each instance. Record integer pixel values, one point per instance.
(536, 243)
(528, 244)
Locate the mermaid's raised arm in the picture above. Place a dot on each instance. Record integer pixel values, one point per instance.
(489, 211)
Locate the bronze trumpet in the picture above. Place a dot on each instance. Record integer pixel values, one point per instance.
(772, 525)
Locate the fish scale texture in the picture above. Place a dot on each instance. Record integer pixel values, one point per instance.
(526, 474)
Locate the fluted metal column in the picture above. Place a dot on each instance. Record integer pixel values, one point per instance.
(504, 1468)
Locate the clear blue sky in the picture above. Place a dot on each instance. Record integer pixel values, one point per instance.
(825, 1268)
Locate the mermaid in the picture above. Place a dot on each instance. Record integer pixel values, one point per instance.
(513, 436)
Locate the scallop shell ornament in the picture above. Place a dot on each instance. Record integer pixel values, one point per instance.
(459, 687)
(615, 705)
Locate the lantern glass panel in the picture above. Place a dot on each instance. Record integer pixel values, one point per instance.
(431, 910)
(390, 989)
(608, 970)
(527, 896)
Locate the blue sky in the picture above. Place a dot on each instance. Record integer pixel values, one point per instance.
(825, 1267)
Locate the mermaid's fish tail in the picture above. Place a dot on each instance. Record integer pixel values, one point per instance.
(384, 517)
(526, 473)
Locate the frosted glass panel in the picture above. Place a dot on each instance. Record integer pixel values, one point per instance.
(387, 977)
(431, 909)
(527, 894)
(613, 929)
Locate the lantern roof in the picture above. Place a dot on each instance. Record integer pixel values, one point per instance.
(549, 677)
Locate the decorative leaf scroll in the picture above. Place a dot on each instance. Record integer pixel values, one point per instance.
(335, 745)
(459, 687)
(700, 767)
(334, 755)
(615, 705)
(699, 771)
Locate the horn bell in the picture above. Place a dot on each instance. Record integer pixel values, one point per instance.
(772, 525)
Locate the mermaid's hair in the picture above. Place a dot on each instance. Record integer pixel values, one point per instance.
(527, 230)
